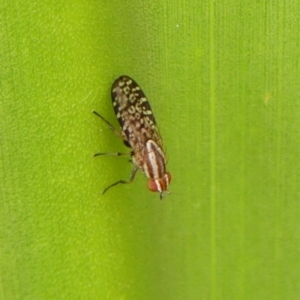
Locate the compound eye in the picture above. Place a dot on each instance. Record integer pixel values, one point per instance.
(152, 185)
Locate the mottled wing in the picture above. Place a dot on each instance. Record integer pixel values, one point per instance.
(134, 113)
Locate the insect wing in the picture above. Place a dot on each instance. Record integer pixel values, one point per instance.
(134, 113)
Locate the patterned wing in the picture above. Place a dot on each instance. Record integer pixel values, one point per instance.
(134, 113)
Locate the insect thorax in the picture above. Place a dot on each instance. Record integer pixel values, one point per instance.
(151, 160)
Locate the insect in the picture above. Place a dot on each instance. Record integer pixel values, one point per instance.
(140, 133)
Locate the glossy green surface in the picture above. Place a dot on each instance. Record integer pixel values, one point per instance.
(223, 82)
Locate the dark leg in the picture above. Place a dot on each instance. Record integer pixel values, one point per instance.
(133, 172)
(111, 127)
(112, 154)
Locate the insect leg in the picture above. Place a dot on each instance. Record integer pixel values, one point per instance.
(111, 127)
(133, 172)
(112, 153)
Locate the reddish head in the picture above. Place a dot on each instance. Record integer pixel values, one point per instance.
(160, 185)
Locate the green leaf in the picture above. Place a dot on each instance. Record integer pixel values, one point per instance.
(223, 82)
